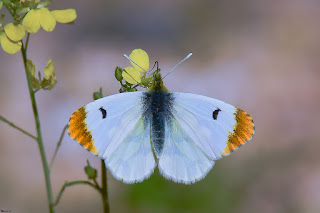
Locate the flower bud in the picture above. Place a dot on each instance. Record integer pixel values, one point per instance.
(98, 95)
(146, 81)
(90, 171)
(118, 74)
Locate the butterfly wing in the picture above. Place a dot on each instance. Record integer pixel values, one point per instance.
(181, 160)
(216, 127)
(114, 128)
(201, 130)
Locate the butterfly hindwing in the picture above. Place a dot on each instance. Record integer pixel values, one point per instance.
(133, 161)
(181, 160)
(114, 128)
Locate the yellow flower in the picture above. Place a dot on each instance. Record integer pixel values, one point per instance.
(133, 74)
(47, 19)
(64, 16)
(10, 37)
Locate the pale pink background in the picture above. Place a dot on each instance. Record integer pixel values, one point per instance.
(262, 56)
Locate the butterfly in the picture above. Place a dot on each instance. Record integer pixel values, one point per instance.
(181, 133)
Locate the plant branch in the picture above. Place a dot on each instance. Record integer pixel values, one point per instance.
(39, 134)
(58, 145)
(97, 184)
(9, 10)
(18, 128)
(104, 189)
(67, 184)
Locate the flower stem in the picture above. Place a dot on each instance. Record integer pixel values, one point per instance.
(58, 145)
(104, 188)
(18, 128)
(39, 135)
(67, 184)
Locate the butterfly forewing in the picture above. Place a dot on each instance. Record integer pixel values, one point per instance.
(216, 127)
(114, 129)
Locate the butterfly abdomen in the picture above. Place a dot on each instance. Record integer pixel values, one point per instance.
(160, 103)
(157, 132)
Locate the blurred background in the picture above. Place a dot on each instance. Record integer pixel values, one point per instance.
(261, 56)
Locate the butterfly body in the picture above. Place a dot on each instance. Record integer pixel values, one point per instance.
(158, 102)
(182, 133)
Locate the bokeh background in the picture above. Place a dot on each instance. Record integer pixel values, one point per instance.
(262, 56)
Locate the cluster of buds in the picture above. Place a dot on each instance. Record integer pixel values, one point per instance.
(49, 79)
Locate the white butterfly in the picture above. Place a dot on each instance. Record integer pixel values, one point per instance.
(182, 133)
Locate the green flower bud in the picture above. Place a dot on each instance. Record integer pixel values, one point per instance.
(23, 10)
(146, 81)
(98, 95)
(31, 67)
(32, 70)
(90, 171)
(49, 80)
(118, 74)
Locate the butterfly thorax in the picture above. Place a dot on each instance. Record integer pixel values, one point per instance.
(158, 101)
(157, 83)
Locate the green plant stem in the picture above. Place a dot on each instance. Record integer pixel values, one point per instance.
(104, 188)
(67, 184)
(58, 145)
(27, 41)
(9, 10)
(18, 128)
(39, 135)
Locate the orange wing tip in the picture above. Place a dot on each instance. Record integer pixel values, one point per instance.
(242, 132)
(78, 130)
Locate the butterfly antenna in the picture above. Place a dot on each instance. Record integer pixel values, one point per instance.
(127, 57)
(188, 56)
(155, 63)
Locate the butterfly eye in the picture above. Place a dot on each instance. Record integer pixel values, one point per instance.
(104, 112)
(215, 113)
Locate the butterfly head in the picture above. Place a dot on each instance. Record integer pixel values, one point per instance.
(134, 77)
(156, 82)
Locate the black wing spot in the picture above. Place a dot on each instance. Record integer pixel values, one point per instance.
(215, 113)
(104, 112)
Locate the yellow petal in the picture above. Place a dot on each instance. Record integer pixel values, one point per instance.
(9, 46)
(64, 16)
(14, 32)
(31, 21)
(49, 70)
(47, 21)
(141, 58)
(132, 75)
